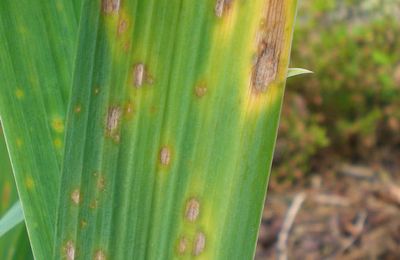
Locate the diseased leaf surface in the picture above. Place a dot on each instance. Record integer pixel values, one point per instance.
(170, 130)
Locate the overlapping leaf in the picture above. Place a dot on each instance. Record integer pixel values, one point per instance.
(37, 41)
(14, 245)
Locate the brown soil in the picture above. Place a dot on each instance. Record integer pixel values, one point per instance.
(351, 211)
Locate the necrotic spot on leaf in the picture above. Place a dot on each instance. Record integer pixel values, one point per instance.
(122, 26)
(165, 156)
(76, 196)
(112, 122)
(192, 210)
(99, 255)
(182, 245)
(199, 244)
(201, 90)
(69, 250)
(221, 6)
(265, 70)
(138, 75)
(269, 40)
(110, 6)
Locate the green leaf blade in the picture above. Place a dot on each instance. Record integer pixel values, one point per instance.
(36, 52)
(168, 146)
(15, 243)
(11, 218)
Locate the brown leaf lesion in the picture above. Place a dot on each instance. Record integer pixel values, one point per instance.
(270, 39)
(199, 243)
(122, 26)
(265, 70)
(192, 210)
(112, 122)
(138, 74)
(222, 6)
(165, 156)
(141, 76)
(110, 6)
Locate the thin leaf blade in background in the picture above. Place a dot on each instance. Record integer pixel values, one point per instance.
(14, 245)
(11, 218)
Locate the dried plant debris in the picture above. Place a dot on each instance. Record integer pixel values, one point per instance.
(346, 217)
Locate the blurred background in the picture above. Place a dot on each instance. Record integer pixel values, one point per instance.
(335, 186)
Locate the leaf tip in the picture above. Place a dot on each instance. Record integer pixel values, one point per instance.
(297, 71)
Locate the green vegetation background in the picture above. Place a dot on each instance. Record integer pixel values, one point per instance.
(350, 108)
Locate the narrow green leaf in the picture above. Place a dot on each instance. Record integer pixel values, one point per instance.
(37, 40)
(297, 71)
(171, 128)
(15, 244)
(12, 218)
